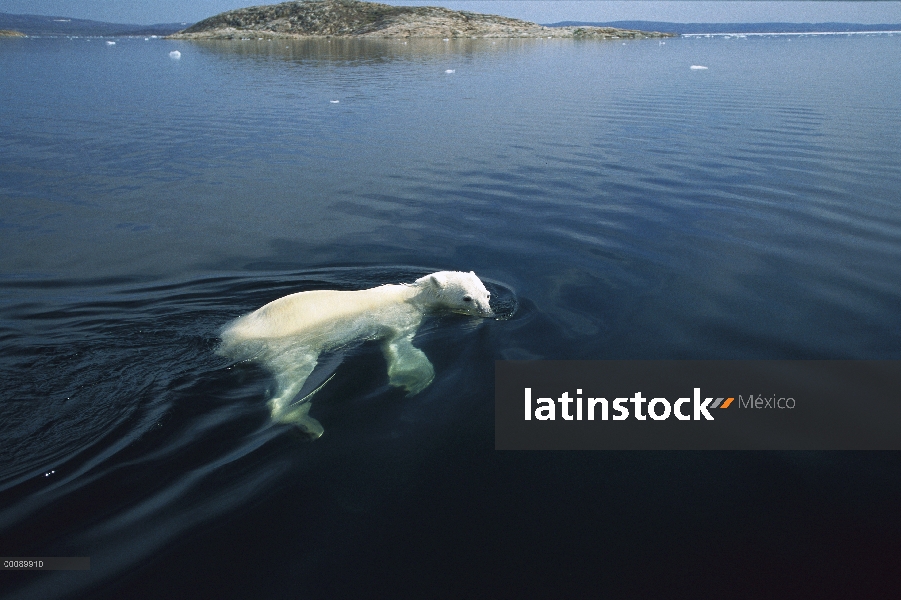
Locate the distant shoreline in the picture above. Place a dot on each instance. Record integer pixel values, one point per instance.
(741, 28)
(42, 25)
(787, 33)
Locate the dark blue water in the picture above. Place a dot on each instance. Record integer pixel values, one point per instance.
(626, 205)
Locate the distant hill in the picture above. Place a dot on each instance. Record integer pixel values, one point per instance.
(353, 18)
(681, 28)
(43, 25)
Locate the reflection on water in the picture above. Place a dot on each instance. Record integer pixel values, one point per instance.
(617, 203)
(355, 52)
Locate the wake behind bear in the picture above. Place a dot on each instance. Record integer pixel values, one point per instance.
(288, 335)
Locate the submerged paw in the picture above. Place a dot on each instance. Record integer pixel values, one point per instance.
(413, 380)
(298, 415)
(311, 427)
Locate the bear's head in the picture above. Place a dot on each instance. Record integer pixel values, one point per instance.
(459, 292)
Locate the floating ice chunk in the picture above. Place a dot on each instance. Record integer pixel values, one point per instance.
(451, 71)
(334, 101)
(109, 43)
(175, 54)
(698, 68)
(146, 39)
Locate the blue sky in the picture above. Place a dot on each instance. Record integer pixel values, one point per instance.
(541, 11)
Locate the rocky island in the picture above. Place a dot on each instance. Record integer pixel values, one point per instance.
(11, 33)
(352, 18)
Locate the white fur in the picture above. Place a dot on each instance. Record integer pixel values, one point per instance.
(289, 334)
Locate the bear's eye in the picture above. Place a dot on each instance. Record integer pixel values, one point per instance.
(467, 298)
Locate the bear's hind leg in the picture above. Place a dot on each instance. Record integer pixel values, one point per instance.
(289, 381)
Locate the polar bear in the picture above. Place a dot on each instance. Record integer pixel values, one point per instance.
(289, 334)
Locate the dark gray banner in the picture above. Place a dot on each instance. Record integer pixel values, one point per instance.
(698, 405)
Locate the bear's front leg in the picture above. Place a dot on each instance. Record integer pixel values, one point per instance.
(408, 366)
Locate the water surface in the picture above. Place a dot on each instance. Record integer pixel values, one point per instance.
(626, 205)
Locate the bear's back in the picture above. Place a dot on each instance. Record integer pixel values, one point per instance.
(327, 317)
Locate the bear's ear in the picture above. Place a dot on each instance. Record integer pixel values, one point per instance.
(438, 280)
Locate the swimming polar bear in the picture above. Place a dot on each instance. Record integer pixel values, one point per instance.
(289, 334)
